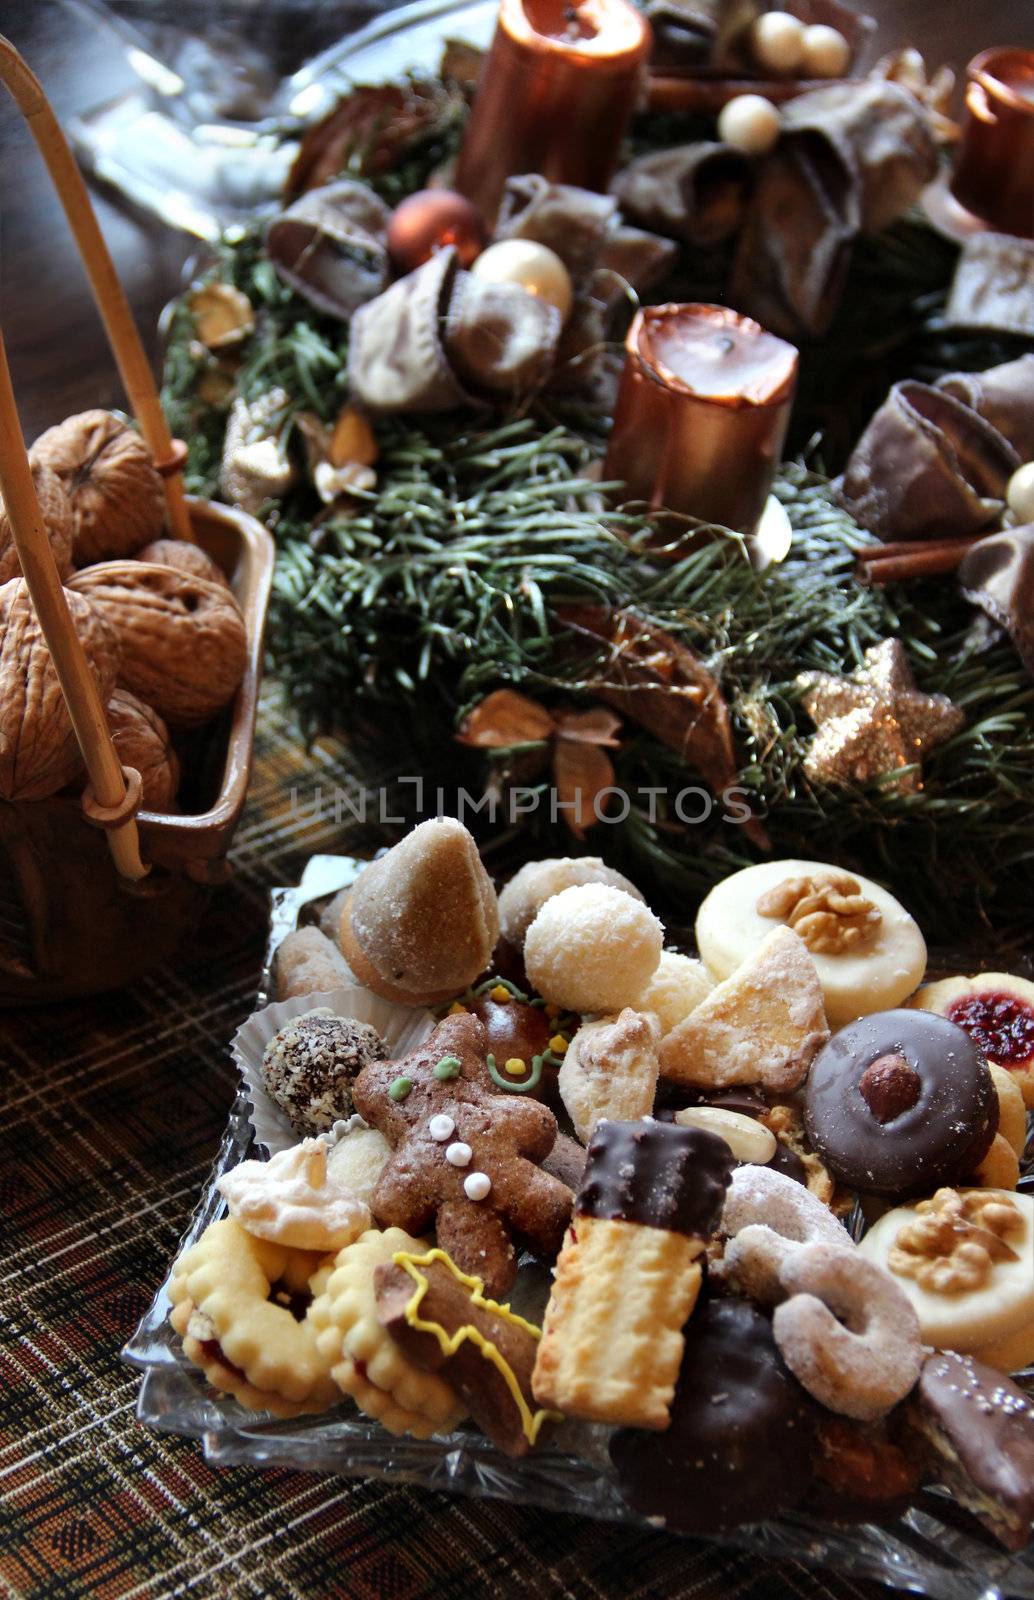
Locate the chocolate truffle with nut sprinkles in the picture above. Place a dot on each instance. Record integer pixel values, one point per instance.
(309, 1067)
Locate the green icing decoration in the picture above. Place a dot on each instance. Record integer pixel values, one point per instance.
(400, 1088)
(447, 1067)
(508, 1083)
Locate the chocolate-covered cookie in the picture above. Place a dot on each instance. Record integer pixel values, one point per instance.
(900, 1102)
(975, 1431)
(738, 1446)
(861, 1475)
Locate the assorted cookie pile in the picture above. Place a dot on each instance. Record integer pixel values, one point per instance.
(775, 1190)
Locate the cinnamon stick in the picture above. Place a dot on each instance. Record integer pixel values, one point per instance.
(899, 563)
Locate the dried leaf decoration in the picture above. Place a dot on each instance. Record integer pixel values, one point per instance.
(653, 679)
(372, 131)
(575, 742)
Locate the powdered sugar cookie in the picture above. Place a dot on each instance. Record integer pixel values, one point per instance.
(364, 1359)
(610, 1070)
(677, 987)
(529, 889)
(763, 1024)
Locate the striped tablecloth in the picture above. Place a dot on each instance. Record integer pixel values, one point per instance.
(110, 1113)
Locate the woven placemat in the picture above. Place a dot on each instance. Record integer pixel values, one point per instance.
(110, 1114)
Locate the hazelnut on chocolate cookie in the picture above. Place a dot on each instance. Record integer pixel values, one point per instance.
(900, 1102)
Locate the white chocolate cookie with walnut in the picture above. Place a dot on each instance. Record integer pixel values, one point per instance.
(965, 1258)
(869, 953)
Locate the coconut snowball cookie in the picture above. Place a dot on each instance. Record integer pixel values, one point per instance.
(676, 988)
(869, 953)
(529, 889)
(592, 948)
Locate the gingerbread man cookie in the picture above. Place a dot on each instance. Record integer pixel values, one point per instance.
(463, 1159)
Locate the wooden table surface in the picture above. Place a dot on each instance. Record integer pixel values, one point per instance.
(57, 351)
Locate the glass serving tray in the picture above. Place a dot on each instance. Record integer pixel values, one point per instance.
(936, 1549)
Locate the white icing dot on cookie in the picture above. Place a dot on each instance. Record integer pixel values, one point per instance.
(477, 1185)
(459, 1154)
(441, 1127)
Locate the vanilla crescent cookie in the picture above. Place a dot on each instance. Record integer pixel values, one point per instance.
(364, 1359)
(242, 1306)
(846, 1331)
(965, 1259)
(294, 1200)
(869, 952)
(766, 1217)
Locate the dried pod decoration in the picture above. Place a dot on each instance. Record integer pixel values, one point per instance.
(222, 315)
(142, 741)
(38, 749)
(118, 503)
(56, 510)
(340, 457)
(255, 465)
(183, 641)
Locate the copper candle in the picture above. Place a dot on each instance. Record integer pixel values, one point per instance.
(557, 89)
(994, 173)
(702, 413)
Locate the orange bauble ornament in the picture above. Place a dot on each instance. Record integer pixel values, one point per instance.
(430, 220)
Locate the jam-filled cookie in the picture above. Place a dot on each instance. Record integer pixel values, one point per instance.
(242, 1306)
(996, 1009)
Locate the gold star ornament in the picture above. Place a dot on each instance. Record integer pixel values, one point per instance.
(875, 723)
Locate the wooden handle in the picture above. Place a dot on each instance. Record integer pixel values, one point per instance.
(129, 353)
(78, 685)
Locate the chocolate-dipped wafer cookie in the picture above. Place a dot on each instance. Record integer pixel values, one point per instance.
(628, 1276)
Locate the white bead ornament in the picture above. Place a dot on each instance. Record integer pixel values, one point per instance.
(777, 42)
(459, 1154)
(441, 1127)
(532, 266)
(749, 123)
(1020, 494)
(477, 1185)
(827, 53)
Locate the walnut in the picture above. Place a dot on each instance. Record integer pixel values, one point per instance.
(56, 509)
(184, 645)
(38, 749)
(827, 909)
(184, 557)
(142, 741)
(118, 503)
(950, 1247)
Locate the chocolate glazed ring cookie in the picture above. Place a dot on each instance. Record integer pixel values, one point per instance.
(900, 1102)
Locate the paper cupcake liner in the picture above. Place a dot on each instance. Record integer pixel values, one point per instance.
(404, 1028)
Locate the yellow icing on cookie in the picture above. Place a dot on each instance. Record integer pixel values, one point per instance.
(531, 1423)
(365, 1361)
